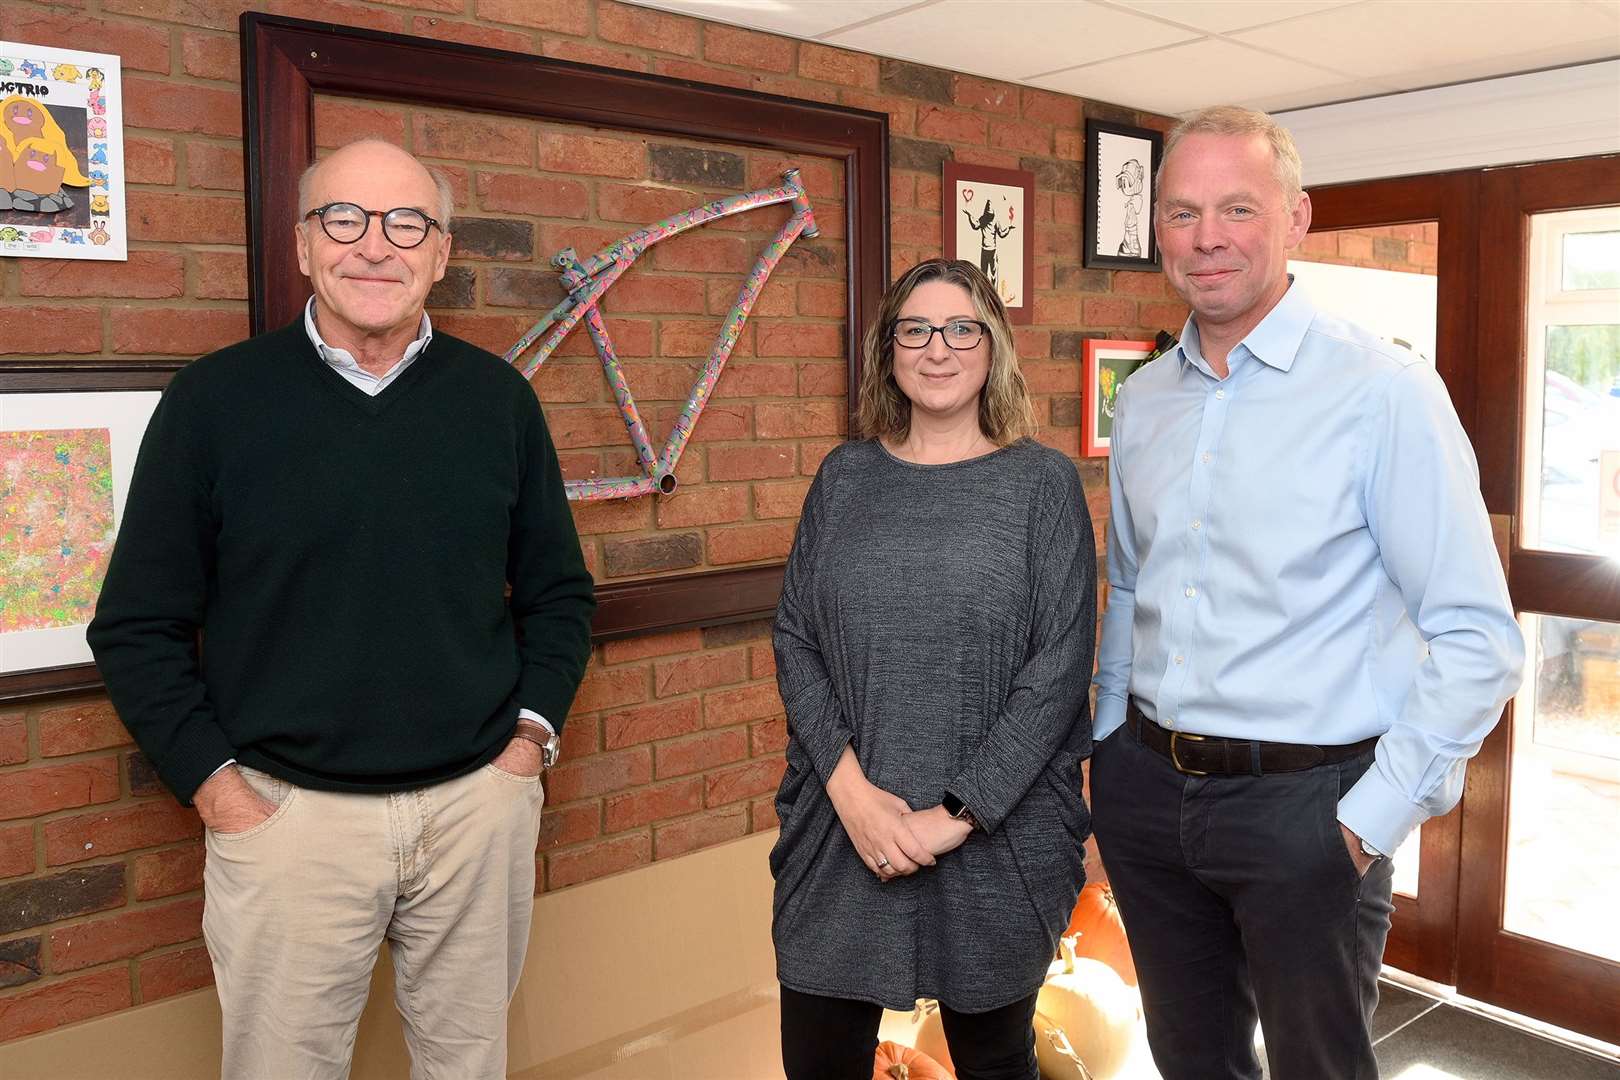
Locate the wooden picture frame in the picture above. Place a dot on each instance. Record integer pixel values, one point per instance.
(1107, 365)
(1122, 166)
(984, 212)
(44, 654)
(286, 62)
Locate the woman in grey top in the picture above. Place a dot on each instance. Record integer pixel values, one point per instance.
(934, 648)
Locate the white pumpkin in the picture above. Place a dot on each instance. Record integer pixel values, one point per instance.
(1085, 1019)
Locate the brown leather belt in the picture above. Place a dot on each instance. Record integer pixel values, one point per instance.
(1212, 755)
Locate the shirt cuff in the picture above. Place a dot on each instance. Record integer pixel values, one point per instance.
(530, 714)
(1379, 813)
(229, 762)
(1110, 717)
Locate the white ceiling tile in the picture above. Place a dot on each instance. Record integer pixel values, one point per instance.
(796, 18)
(1489, 66)
(1315, 95)
(1384, 38)
(1009, 39)
(1190, 76)
(1224, 16)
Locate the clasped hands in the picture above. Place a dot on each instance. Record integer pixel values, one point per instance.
(892, 839)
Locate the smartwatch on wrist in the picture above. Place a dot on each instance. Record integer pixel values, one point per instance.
(958, 810)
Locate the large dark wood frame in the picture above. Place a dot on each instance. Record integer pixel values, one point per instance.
(1453, 932)
(70, 376)
(286, 62)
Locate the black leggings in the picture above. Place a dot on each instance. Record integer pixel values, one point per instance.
(828, 1038)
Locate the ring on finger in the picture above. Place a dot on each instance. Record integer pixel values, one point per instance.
(882, 863)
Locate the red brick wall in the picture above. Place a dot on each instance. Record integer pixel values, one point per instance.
(1410, 249)
(675, 742)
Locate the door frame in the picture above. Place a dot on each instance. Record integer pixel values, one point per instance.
(1423, 938)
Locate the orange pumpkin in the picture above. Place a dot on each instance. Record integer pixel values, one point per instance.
(1097, 923)
(896, 1062)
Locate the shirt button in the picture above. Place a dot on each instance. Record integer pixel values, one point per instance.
(1206, 458)
(1180, 659)
(1191, 592)
(1197, 523)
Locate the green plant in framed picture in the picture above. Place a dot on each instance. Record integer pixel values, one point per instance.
(1108, 365)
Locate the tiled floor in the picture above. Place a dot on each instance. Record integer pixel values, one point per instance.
(1418, 1038)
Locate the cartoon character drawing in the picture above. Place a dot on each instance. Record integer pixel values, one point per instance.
(66, 73)
(37, 160)
(72, 236)
(1130, 182)
(98, 205)
(98, 156)
(990, 234)
(6, 66)
(98, 104)
(10, 234)
(41, 236)
(99, 235)
(32, 69)
(96, 76)
(96, 127)
(98, 179)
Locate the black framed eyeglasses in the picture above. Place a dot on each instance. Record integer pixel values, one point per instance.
(958, 333)
(345, 222)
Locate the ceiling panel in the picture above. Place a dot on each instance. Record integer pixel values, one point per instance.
(1184, 77)
(1153, 54)
(1222, 16)
(796, 18)
(1384, 38)
(1009, 39)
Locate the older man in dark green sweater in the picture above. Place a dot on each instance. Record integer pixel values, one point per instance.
(338, 508)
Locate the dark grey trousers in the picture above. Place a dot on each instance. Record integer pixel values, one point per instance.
(1242, 904)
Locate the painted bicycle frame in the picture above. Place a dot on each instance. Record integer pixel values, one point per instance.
(587, 281)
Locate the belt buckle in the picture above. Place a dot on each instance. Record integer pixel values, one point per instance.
(1176, 761)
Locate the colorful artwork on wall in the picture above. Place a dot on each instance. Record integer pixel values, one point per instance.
(61, 154)
(56, 525)
(65, 464)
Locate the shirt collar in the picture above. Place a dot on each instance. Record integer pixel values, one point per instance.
(344, 359)
(1275, 342)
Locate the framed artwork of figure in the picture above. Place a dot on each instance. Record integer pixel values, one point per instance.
(986, 214)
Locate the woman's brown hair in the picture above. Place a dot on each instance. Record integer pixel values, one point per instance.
(1005, 411)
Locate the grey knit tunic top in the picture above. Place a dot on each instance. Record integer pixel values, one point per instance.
(939, 620)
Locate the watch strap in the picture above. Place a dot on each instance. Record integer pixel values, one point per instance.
(548, 741)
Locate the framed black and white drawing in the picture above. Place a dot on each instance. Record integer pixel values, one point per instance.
(1120, 165)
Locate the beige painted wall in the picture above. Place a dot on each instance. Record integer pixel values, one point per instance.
(622, 961)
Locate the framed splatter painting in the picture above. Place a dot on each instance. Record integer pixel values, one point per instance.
(61, 154)
(67, 452)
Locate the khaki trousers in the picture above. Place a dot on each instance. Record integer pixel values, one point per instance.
(297, 907)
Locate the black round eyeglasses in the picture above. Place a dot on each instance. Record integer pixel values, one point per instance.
(403, 226)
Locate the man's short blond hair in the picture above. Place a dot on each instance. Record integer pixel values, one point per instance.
(1236, 120)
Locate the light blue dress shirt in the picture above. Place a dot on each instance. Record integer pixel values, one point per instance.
(1299, 553)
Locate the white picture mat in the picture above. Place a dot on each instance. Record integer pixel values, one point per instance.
(124, 414)
(1007, 204)
(1113, 151)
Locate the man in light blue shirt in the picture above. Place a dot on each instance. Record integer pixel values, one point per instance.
(1307, 634)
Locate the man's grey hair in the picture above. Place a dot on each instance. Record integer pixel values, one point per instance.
(1236, 120)
(441, 184)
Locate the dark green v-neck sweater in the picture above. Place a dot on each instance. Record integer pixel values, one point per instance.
(346, 558)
